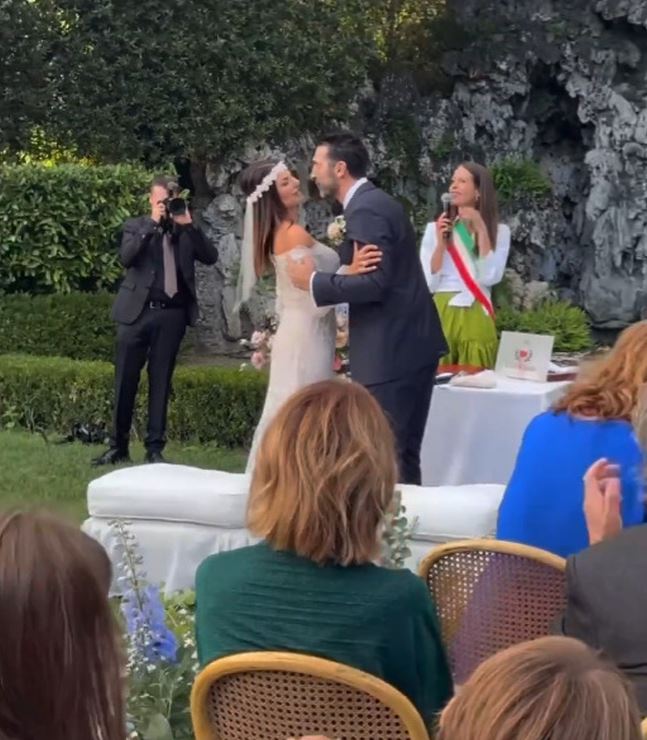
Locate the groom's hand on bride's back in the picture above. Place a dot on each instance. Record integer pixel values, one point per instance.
(365, 259)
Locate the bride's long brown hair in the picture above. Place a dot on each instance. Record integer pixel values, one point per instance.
(269, 212)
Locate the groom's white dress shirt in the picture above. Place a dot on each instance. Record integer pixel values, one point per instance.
(352, 190)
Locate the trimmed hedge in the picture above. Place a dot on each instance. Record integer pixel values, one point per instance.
(208, 404)
(76, 325)
(567, 323)
(60, 224)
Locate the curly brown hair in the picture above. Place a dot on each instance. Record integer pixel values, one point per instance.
(610, 387)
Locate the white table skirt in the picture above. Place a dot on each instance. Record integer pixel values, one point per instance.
(473, 435)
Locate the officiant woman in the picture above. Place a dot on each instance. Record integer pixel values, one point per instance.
(464, 254)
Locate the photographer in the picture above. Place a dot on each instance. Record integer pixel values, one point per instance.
(156, 301)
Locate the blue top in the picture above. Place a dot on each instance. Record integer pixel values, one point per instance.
(543, 503)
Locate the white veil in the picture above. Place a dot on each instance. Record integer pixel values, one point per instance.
(247, 273)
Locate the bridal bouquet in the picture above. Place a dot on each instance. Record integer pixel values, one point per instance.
(260, 343)
(341, 365)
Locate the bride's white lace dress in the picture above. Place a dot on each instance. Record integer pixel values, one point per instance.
(303, 348)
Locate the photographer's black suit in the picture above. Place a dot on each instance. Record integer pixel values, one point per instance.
(151, 324)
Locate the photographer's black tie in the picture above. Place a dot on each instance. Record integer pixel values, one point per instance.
(170, 274)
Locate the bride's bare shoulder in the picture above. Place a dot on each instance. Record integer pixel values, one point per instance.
(291, 236)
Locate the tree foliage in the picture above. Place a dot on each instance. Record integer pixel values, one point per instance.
(115, 80)
(148, 80)
(24, 89)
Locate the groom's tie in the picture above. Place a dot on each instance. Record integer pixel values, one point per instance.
(170, 274)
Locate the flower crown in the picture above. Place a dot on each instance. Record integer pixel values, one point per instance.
(266, 183)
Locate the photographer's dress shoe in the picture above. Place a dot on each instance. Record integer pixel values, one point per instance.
(112, 456)
(154, 457)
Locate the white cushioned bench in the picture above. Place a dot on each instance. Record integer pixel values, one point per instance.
(181, 514)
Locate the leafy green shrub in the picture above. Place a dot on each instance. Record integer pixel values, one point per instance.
(75, 325)
(60, 225)
(567, 323)
(502, 294)
(208, 404)
(520, 177)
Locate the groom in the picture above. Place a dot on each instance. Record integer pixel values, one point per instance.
(395, 336)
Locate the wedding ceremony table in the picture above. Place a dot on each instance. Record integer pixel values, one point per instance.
(473, 434)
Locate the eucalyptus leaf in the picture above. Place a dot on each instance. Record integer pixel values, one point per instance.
(158, 729)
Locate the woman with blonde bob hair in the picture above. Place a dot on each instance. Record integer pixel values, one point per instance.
(60, 658)
(542, 505)
(323, 482)
(554, 688)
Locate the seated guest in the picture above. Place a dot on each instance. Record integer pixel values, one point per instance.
(606, 598)
(60, 662)
(323, 481)
(553, 688)
(465, 306)
(542, 504)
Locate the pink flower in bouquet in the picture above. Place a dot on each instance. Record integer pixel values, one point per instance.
(337, 364)
(258, 337)
(258, 360)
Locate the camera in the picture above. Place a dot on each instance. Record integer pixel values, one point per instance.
(175, 206)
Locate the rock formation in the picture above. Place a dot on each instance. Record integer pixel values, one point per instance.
(563, 84)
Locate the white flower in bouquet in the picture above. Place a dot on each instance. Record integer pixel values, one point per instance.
(337, 230)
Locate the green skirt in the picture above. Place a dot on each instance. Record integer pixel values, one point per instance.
(470, 333)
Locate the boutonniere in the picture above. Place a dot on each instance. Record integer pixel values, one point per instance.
(337, 231)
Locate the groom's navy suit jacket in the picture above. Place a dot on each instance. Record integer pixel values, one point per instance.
(393, 323)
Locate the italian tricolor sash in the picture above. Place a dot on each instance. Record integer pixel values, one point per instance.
(462, 250)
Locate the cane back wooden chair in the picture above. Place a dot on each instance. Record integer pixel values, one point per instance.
(491, 594)
(274, 696)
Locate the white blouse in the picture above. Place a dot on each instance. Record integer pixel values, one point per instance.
(447, 280)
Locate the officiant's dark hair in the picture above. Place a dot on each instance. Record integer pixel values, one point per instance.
(346, 147)
(269, 212)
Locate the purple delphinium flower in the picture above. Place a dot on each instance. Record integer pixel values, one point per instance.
(149, 635)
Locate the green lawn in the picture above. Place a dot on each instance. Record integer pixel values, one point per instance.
(35, 471)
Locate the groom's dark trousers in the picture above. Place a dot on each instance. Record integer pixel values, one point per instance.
(396, 339)
(405, 402)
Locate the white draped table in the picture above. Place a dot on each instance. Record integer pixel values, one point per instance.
(473, 434)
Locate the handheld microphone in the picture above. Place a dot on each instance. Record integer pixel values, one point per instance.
(447, 199)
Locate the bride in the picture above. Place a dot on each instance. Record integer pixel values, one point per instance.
(303, 347)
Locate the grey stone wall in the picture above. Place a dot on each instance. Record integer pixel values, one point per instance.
(561, 83)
